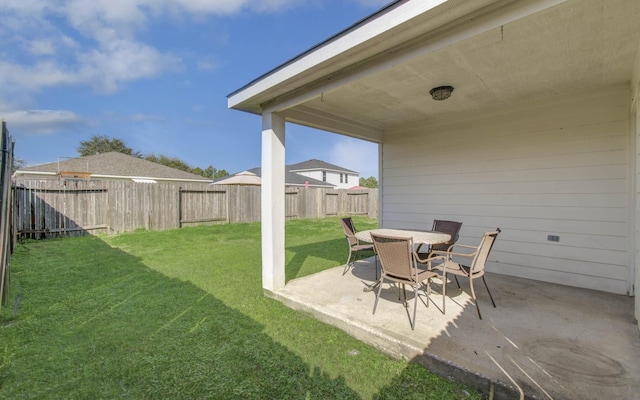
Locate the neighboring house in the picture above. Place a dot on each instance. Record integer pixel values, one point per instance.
(108, 166)
(341, 178)
(311, 173)
(539, 136)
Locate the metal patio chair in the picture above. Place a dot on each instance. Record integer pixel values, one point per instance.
(355, 247)
(475, 269)
(450, 227)
(398, 265)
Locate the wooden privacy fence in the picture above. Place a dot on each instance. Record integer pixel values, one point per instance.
(52, 208)
(6, 242)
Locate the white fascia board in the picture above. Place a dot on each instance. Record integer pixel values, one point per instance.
(21, 173)
(150, 178)
(368, 30)
(136, 180)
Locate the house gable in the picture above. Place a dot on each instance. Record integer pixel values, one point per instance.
(314, 173)
(341, 177)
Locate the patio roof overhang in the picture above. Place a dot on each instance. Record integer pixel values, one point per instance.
(495, 53)
(374, 78)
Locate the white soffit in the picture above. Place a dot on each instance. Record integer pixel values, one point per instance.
(349, 47)
(503, 54)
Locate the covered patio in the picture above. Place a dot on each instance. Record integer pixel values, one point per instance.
(544, 341)
(539, 137)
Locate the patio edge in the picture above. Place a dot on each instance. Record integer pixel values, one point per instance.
(494, 389)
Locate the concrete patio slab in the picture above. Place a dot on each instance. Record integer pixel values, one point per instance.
(543, 341)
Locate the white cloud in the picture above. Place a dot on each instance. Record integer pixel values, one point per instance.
(222, 6)
(26, 7)
(41, 47)
(207, 64)
(96, 42)
(122, 61)
(105, 69)
(41, 122)
(33, 77)
(105, 20)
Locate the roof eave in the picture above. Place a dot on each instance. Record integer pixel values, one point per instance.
(104, 176)
(342, 171)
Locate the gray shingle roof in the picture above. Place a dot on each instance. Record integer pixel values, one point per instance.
(290, 178)
(117, 164)
(315, 165)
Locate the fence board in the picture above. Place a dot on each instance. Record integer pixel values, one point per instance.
(53, 208)
(43, 210)
(203, 205)
(6, 241)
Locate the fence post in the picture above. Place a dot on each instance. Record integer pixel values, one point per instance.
(5, 213)
(179, 206)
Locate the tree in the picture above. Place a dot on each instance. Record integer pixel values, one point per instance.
(219, 173)
(103, 144)
(209, 172)
(172, 162)
(213, 173)
(370, 182)
(18, 163)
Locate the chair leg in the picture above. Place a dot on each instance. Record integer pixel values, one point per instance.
(444, 290)
(404, 296)
(375, 256)
(415, 306)
(375, 304)
(428, 290)
(490, 296)
(478, 308)
(475, 300)
(346, 267)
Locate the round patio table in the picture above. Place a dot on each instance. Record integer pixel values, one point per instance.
(419, 237)
(424, 237)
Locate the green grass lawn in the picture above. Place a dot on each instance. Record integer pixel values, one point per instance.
(180, 314)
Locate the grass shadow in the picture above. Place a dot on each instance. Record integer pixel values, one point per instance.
(104, 325)
(316, 245)
(181, 314)
(302, 263)
(411, 385)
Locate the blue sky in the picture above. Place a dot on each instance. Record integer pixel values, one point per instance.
(156, 74)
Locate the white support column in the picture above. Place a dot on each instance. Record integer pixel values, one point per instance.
(273, 151)
(380, 184)
(635, 220)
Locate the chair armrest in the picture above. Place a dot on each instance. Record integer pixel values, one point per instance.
(463, 245)
(428, 259)
(450, 253)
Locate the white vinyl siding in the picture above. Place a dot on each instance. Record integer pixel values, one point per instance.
(333, 177)
(548, 169)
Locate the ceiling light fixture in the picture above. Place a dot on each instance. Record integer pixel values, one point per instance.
(441, 92)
